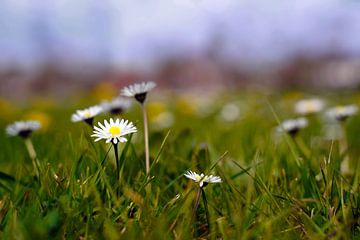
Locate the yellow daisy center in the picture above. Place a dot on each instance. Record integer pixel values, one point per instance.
(87, 114)
(310, 107)
(114, 130)
(339, 109)
(198, 178)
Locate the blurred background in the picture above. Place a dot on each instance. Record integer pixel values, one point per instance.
(60, 48)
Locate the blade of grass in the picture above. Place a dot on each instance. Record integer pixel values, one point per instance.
(287, 138)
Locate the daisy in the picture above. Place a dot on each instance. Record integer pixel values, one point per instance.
(22, 128)
(308, 106)
(138, 90)
(341, 113)
(202, 179)
(230, 112)
(87, 115)
(117, 105)
(113, 131)
(292, 126)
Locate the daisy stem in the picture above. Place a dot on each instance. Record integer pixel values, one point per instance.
(206, 207)
(117, 162)
(117, 168)
(196, 203)
(345, 163)
(32, 154)
(146, 139)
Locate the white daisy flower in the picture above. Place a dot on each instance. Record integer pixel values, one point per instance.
(116, 105)
(22, 128)
(308, 106)
(230, 112)
(87, 115)
(113, 131)
(292, 126)
(138, 90)
(202, 179)
(341, 113)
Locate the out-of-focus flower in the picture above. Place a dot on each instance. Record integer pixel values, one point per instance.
(8, 110)
(159, 116)
(42, 117)
(23, 129)
(202, 179)
(308, 106)
(230, 112)
(43, 103)
(87, 115)
(155, 108)
(192, 104)
(163, 120)
(186, 105)
(138, 90)
(341, 113)
(113, 131)
(116, 105)
(292, 126)
(103, 90)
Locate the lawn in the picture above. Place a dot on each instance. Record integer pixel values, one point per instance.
(274, 185)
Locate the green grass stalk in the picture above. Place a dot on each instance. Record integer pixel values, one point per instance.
(146, 139)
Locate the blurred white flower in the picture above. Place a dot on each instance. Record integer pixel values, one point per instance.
(22, 128)
(202, 179)
(292, 126)
(116, 105)
(87, 115)
(308, 106)
(138, 90)
(196, 103)
(341, 113)
(113, 131)
(230, 112)
(163, 120)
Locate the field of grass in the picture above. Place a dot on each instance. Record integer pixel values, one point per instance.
(274, 186)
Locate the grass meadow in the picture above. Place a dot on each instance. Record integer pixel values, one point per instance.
(274, 186)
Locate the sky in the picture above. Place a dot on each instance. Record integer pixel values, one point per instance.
(141, 33)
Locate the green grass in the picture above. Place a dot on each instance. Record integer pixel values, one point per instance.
(274, 187)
